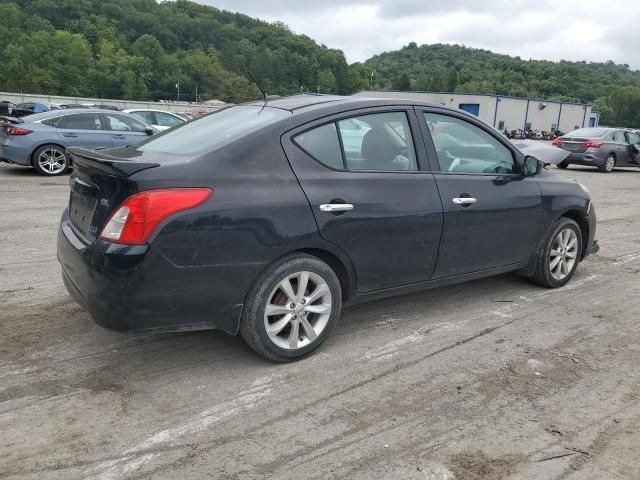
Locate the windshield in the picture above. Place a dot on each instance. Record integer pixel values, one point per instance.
(213, 131)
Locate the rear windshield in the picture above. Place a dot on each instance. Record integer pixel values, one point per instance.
(212, 131)
(588, 132)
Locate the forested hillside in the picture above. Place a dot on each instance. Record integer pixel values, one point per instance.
(140, 49)
(614, 90)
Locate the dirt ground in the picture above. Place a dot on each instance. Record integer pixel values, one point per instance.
(492, 379)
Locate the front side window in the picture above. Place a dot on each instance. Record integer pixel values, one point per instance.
(378, 141)
(144, 116)
(633, 138)
(166, 120)
(81, 121)
(121, 123)
(465, 148)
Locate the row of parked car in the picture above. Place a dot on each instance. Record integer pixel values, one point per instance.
(38, 134)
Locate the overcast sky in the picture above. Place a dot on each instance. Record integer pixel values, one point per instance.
(592, 30)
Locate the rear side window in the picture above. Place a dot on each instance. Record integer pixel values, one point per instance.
(81, 121)
(213, 131)
(378, 141)
(323, 144)
(619, 137)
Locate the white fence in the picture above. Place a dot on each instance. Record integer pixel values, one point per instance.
(122, 104)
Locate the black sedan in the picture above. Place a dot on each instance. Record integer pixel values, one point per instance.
(264, 219)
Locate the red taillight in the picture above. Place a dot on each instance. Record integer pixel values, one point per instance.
(136, 218)
(592, 144)
(557, 143)
(11, 130)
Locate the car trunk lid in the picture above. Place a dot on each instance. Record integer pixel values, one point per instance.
(99, 183)
(573, 144)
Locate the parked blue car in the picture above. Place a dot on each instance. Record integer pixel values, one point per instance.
(40, 140)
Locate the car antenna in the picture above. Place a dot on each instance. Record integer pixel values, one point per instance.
(251, 77)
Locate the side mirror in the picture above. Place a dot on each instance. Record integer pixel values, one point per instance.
(149, 131)
(532, 165)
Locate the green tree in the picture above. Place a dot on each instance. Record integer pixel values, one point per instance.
(403, 82)
(326, 81)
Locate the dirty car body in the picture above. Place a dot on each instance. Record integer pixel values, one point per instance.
(271, 170)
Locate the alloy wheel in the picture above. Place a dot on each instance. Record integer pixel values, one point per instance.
(609, 163)
(52, 161)
(298, 310)
(564, 254)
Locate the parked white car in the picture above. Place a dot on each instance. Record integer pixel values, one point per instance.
(159, 119)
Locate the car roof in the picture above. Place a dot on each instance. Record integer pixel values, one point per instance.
(306, 101)
(149, 110)
(66, 111)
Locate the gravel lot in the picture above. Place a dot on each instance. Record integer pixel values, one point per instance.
(487, 379)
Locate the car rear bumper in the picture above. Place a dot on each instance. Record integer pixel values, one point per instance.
(15, 154)
(586, 158)
(133, 288)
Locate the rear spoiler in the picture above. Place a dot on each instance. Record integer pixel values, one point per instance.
(8, 119)
(101, 161)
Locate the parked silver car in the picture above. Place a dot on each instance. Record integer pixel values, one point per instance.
(605, 148)
(40, 140)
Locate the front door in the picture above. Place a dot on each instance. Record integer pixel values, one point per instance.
(492, 213)
(368, 195)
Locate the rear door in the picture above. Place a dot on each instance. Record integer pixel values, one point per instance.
(83, 130)
(492, 213)
(124, 130)
(368, 194)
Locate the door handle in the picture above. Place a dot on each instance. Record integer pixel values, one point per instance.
(73, 135)
(336, 207)
(119, 137)
(465, 201)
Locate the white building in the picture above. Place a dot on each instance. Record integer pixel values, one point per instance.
(507, 112)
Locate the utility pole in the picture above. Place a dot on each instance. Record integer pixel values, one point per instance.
(196, 93)
(178, 87)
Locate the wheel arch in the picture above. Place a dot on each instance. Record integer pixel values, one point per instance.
(578, 217)
(344, 271)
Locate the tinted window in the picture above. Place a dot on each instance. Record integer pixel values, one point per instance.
(145, 116)
(633, 138)
(465, 148)
(121, 123)
(167, 120)
(322, 143)
(81, 121)
(380, 141)
(215, 130)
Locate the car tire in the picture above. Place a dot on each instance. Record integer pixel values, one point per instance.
(563, 165)
(609, 164)
(51, 160)
(560, 254)
(283, 326)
